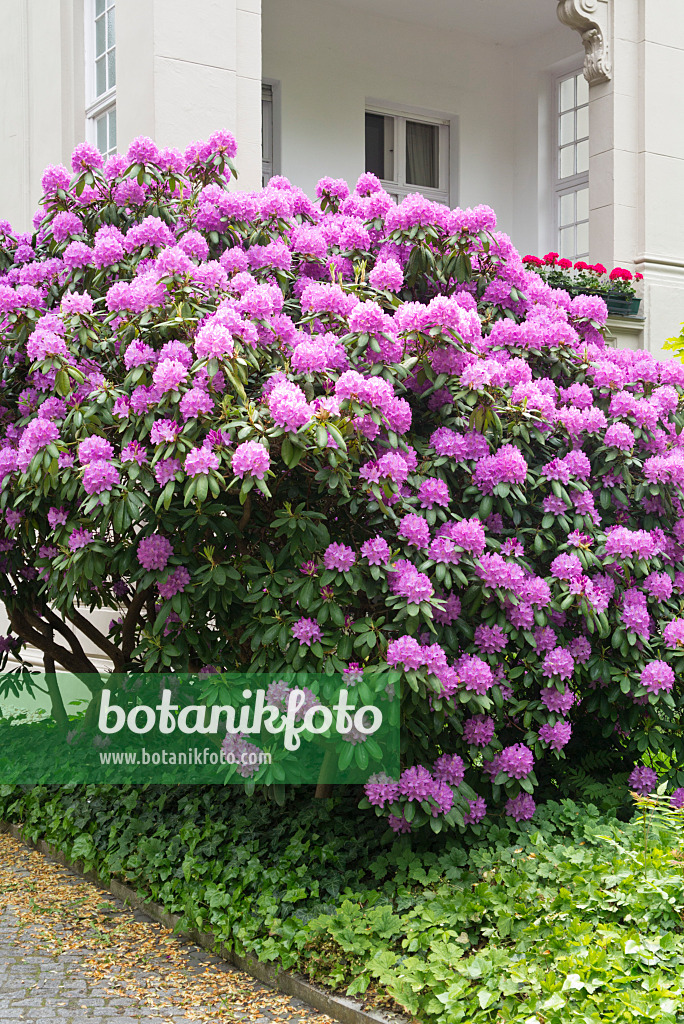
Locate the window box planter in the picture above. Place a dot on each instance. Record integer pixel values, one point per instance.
(622, 305)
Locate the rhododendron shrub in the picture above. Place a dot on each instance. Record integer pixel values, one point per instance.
(341, 436)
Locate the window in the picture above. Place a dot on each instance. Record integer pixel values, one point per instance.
(101, 75)
(266, 133)
(409, 153)
(572, 165)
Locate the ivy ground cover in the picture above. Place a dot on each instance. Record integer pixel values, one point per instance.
(563, 921)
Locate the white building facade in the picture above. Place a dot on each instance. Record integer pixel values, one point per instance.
(563, 115)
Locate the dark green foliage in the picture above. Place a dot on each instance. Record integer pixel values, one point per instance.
(574, 918)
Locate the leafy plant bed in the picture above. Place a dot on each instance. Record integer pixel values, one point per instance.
(566, 919)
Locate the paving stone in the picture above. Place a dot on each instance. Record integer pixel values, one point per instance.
(39, 985)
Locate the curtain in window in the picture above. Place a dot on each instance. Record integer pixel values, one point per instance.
(422, 154)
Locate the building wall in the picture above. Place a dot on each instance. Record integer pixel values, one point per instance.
(41, 82)
(329, 62)
(182, 72)
(660, 168)
(185, 70)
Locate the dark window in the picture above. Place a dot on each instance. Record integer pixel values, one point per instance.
(375, 145)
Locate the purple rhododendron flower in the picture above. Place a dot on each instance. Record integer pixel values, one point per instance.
(478, 730)
(154, 552)
(80, 538)
(405, 651)
(521, 807)
(251, 458)
(677, 798)
(656, 676)
(673, 633)
(307, 631)
(376, 551)
(557, 735)
(643, 780)
(433, 492)
(175, 584)
(339, 556)
(477, 809)
(558, 663)
(99, 476)
(516, 761)
(200, 462)
(415, 530)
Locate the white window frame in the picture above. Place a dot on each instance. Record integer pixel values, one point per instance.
(572, 183)
(105, 103)
(399, 186)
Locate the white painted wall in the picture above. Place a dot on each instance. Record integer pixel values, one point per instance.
(660, 253)
(41, 85)
(329, 61)
(182, 72)
(185, 70)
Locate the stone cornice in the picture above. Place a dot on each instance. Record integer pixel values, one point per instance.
(591, 19)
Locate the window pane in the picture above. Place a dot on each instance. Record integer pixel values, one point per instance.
(583, 204)
(567, 162)
(567, 208)
(99, 7)
(101, 128)
(111, 68)
(112, 130)
(110, 28)
(582, 240)
(583, 123)
(100, 83)
(567, 128)
(266, 133)
(422, 154)
(567, 94)
(375, 145)
(582, 90)
(100, 36)
(567, 242)
(582, 157)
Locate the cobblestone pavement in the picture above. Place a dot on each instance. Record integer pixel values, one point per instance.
(71, 953)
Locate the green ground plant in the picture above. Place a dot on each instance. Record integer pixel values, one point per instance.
(567, 919)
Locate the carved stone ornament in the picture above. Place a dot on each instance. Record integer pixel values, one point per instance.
(591, 19)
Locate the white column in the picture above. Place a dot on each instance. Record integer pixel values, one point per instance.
(184, 71)
(613, 145)
(660, 253)
(636, 164)
(42, 113)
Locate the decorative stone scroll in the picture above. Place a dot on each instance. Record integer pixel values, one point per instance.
(591, 19)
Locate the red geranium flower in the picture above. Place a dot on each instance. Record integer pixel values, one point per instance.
(551, 258)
